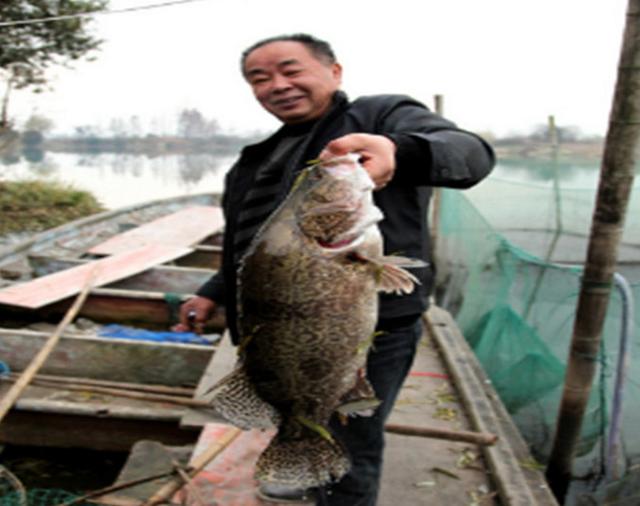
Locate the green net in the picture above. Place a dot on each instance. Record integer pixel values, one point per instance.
(38, 497)
(507, 257)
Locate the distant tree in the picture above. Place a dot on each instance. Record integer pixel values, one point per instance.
(87, 131)
(27, 50)
(565, 133)
(118, 127)
(135, 126)
(192, 124)
(38, 123)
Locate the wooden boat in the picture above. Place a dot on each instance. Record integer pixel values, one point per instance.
(62, 408)
(82, 412)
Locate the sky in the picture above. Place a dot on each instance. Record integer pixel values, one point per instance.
(502, 66)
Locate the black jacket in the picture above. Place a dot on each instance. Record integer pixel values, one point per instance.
(431, 151)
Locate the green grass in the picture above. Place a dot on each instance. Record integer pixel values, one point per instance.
(31, 206)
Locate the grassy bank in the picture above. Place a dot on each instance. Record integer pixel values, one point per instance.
(31, 206)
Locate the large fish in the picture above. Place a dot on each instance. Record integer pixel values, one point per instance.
(308, 305)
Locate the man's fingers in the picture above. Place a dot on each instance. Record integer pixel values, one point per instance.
(341, 146)
(193, 315)
(331, 152)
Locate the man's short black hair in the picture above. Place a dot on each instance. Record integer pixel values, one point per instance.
(319, 48)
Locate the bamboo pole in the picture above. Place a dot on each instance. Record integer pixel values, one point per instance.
(120, 392)
(553, 134)
(616, 179)
(479, 438)
(21, 383)
(165, 492)
(97, 494)
(436, 205)
(119, 385)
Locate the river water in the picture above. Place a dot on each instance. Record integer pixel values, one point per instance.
(118, 180)
(121, 179)
(520, 196)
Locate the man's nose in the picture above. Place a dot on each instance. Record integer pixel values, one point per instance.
(280, 83)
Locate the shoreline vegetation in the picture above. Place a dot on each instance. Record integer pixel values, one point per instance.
(578, 151)
(33, 206)
(33, 144)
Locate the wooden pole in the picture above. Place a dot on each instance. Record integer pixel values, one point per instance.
(479, 438)
(438, 101)
(120, 385)
(436, 205)
(616, 179)
(164, 493)
(553, 132)
(121, 392)
(21, 383)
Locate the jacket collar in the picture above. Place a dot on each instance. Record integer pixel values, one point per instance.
(339, 102)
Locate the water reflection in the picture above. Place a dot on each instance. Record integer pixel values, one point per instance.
(194, 167)
(123, 179)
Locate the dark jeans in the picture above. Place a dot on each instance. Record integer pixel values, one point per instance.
(388, 365)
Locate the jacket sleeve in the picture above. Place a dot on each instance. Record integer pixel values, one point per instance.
(432, 150)
(213, 289)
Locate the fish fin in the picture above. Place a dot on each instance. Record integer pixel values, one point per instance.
(390, 272)
(234, 398)
(406, 262)
(360, 400)
(394, 279)
(309, 461)
(392, 276)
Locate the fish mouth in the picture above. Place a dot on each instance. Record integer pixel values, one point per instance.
(340, 244)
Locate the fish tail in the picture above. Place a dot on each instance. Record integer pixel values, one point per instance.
(306, 462)
(235, 399)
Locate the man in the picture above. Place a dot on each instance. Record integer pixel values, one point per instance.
(405, 148)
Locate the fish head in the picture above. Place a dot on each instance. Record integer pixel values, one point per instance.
(335, 206)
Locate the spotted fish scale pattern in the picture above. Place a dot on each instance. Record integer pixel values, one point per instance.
(307, 304)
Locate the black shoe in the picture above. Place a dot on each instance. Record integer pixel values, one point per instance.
(272, 492)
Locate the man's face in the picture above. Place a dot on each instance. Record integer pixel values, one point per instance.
(290, 82)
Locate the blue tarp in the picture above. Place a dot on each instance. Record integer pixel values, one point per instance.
(122, 332)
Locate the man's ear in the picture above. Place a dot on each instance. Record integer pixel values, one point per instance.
(336, 70)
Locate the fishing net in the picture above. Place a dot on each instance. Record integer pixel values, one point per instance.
(13, 493)
(11, 489)
(39, 497)
(507, 256)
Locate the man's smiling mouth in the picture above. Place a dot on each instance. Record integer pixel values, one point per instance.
(285, 102)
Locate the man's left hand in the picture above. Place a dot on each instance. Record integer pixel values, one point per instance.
(377, 154)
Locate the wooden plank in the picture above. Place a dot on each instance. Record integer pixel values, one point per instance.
(186, 227)
(222, 363)
(163, 278)
(202, 258)
(517, 486)
(60, 285)
(109, 305)
(109, 359)
(228, 479)
(92, 432)
(429, 398)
